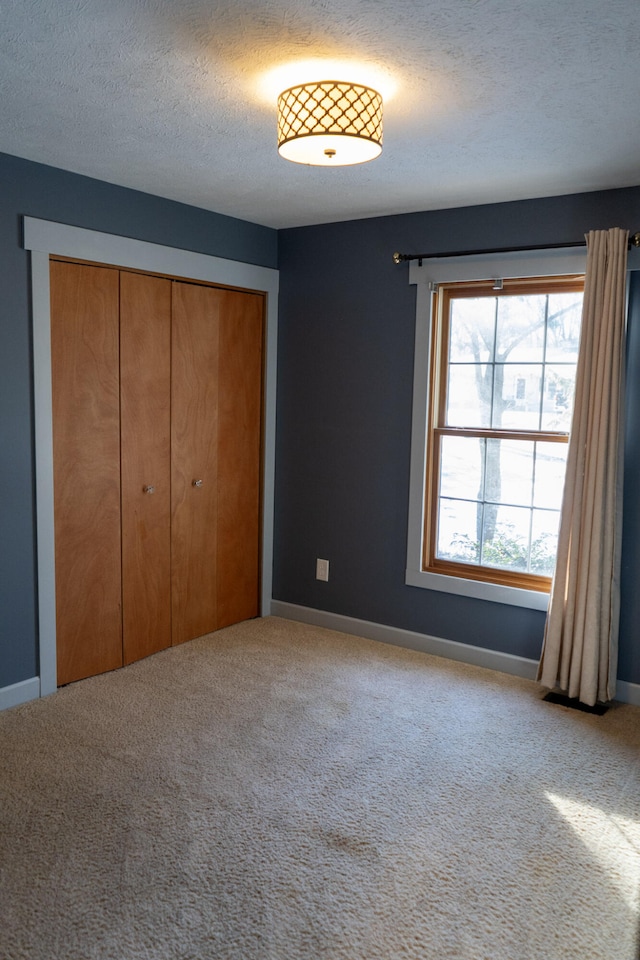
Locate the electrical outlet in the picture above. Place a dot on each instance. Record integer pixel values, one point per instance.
(322, 569)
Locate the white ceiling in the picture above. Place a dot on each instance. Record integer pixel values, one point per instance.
(485, 100)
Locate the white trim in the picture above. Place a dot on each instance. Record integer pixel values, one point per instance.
(628, 692)
(67, 241)
(434, 271)
(437, 646)
(19, 693)
(494, 266)
(43, 238)
(479, 590)
(45, 544)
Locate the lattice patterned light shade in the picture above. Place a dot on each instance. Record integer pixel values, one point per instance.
(329, 123)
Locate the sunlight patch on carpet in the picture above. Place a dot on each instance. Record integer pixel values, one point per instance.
(614, 840)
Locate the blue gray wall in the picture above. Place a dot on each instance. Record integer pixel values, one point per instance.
(345, 368)
(39, 191)
(344, 397)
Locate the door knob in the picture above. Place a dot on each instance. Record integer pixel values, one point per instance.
(149, 489)
(197, 483)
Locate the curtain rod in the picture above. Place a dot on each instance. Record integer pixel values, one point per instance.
(634, 241)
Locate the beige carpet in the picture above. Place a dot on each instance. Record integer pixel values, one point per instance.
(279, 791)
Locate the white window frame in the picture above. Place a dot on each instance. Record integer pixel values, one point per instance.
(541, 263)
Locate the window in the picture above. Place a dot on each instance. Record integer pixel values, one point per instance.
(519, 421)
(501, 391)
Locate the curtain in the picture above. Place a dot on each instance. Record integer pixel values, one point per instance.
(580, 648)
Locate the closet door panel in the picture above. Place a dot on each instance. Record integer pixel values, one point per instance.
(239, 455)
(145, 385)
(194, 428)
(86, 452)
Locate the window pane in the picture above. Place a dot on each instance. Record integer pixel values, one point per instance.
(520, 331)
(544, 541)
(563, 333)
(469, 395)
(516, 402)
(502, 534)
(509, 472)
(461, 460)
(551, 463)
(559, 388)
(506, 541)
(472, 328)
(505, 537)
(458, 530)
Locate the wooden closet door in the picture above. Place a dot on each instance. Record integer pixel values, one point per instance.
(145, 390)
(194, 438)
(216, 457)
(86, 469)
(239, 455)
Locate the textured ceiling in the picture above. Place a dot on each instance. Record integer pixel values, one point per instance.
(485, 100)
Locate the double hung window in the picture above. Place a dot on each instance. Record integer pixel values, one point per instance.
(501, 396)
(494, 381)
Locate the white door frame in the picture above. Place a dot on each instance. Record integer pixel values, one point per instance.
(43, 238)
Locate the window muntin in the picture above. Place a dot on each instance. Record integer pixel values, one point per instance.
(502, 382)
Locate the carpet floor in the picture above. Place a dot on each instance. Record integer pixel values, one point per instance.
(277, 791)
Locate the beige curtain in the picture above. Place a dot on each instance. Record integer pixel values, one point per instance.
(580, 649)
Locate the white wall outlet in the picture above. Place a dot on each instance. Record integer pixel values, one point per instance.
(322, 569)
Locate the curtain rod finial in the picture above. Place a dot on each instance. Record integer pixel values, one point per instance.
(398, 257)
(634, 240)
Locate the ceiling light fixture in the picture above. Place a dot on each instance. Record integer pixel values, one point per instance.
(330, 123)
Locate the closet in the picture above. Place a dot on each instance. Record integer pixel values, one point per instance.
(157, 414)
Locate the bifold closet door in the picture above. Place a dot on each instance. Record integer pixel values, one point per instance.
(157, 410)
(145, 395)
(216, 403)
(86, 468)
(239, 455)
(194, 443)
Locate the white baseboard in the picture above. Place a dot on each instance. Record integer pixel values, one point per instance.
(451, 649)
(19, 693)
(465, 652)
(628, 692)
